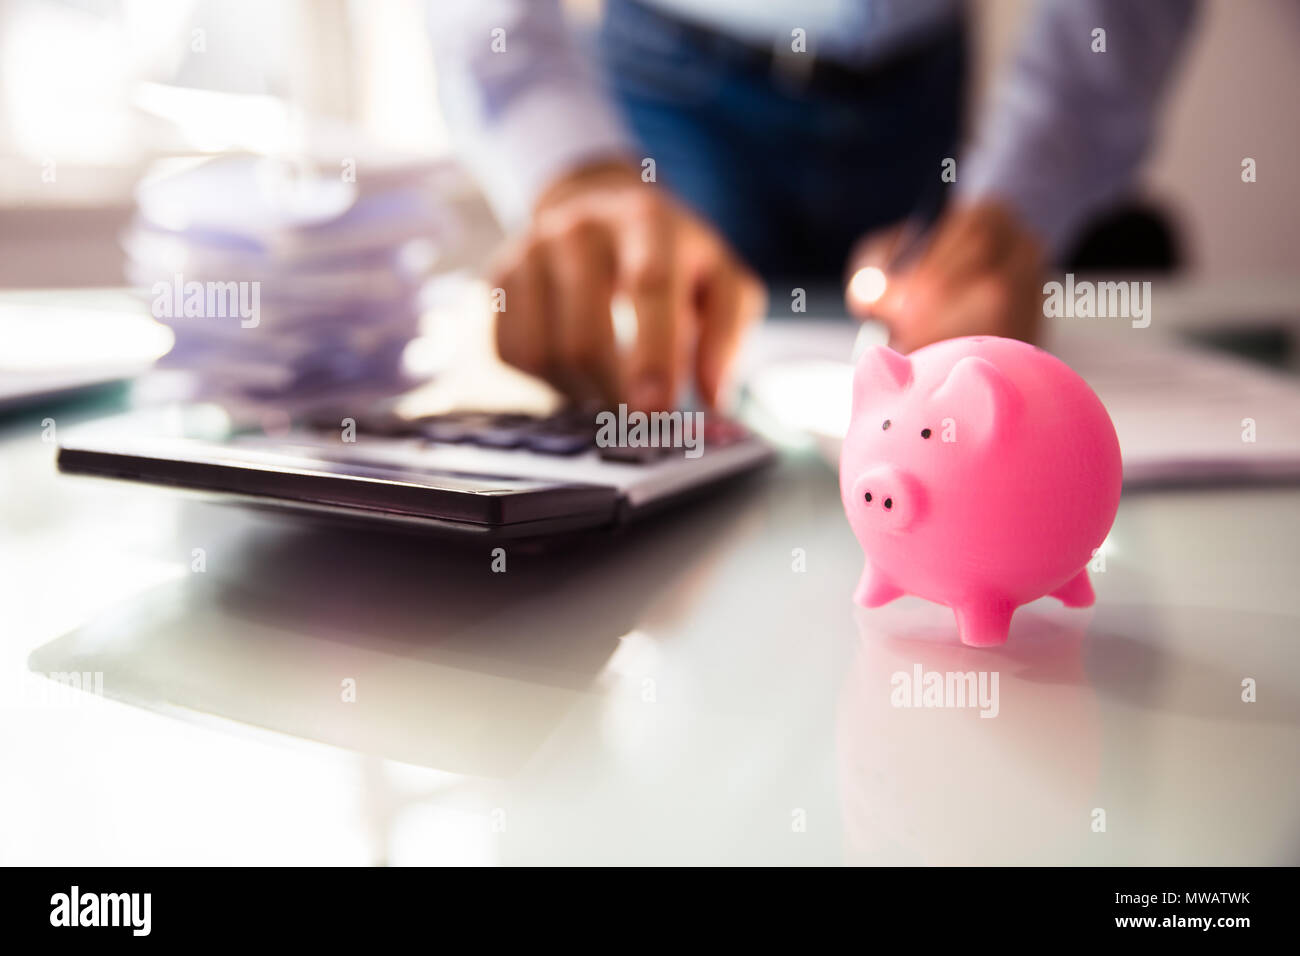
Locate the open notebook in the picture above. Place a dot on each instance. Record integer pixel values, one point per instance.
(1182, 413)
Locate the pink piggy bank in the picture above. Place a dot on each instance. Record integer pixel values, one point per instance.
(980, 473)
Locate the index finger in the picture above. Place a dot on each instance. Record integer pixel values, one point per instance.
(648, 274)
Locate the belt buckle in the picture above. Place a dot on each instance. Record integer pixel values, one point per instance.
(792, 68)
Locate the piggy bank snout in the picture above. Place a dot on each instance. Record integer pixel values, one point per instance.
(888, 498)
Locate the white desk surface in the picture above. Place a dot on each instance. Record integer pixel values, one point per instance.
(680, 694)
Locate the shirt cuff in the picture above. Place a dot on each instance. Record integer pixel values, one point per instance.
(545, 130)
(1053, 206)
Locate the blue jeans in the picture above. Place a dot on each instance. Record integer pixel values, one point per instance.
(791, 176)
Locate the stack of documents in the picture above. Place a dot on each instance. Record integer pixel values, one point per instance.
(280, 279)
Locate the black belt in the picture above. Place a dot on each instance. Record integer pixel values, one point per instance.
(803, 71)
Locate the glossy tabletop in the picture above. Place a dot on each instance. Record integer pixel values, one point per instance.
(699, 689)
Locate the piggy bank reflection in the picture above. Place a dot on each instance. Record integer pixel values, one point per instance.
(1008, 772)
(980, 473)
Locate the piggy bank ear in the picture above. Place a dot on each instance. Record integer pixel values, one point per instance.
(979, 398)
(881, 371)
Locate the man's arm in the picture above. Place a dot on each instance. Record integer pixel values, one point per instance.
(1070, 126)
(556, 163)
(1065, 137)
(523, 101)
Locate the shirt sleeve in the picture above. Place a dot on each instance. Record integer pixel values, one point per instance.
(1069, 127)
(521, 98)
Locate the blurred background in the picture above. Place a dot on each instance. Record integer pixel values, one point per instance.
(93, 92)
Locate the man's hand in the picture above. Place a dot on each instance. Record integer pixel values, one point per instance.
(602, 231)
(980, 273)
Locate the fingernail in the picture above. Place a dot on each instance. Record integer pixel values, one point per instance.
(649, 393)
(725, 389)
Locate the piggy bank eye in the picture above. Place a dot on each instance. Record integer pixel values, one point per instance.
(925, 433)
(885, 425)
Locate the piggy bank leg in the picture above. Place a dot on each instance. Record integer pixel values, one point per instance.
(1076, 592)
(985, 624)
(873, 589)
